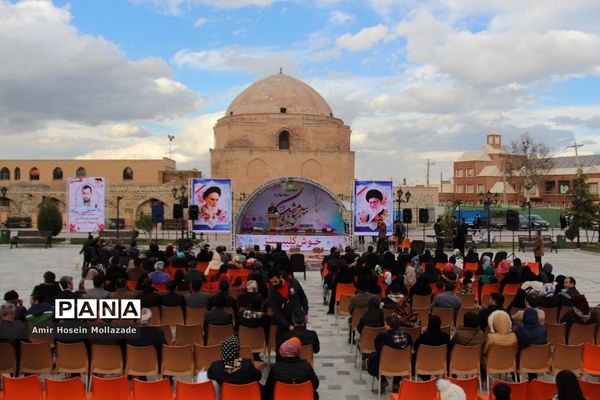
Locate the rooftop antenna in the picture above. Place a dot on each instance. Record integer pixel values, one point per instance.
(171, 137)
(428, 165)
(575, 146)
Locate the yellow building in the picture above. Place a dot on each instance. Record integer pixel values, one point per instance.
(281, 127)
(138, 182)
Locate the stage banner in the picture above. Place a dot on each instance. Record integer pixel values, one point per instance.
(213, 197)
(373, 202)
(296, 242)
(86, 204)
(292, 207)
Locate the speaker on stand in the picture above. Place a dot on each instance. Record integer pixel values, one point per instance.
(512, 224)
(423, 219)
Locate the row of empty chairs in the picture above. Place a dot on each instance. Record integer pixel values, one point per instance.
(30, 388)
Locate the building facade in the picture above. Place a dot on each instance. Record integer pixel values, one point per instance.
(281, 127)
(139, 183)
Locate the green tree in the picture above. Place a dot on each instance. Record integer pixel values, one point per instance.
(584, 210)
(49, 218)
(446, 220)
(144, 223)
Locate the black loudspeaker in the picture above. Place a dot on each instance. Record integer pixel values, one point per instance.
(193, 212)
(423, 216)
(512, 220)
(407, 216)
(158, 213)
(177, 211)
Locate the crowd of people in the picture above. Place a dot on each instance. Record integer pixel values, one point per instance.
(387, 286)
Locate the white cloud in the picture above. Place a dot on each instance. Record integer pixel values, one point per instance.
(363, 39)
(51, 72)
(259, 61)
(200, 22)
(339, 17)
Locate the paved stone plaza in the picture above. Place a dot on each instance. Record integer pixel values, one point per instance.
(22, 268)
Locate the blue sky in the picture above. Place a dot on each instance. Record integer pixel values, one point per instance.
(413, 79)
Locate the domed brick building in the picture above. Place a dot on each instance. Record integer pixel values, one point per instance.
(280, 127)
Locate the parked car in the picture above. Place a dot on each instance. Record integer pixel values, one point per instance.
(537, 222)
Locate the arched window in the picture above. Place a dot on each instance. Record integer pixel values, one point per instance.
(284, 140)
(127, 174)
(17, 174)
(34, 174)
(80, 172)
(57, 174)
(4, 174)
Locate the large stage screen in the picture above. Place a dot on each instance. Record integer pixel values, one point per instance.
(373, 202)
(86, 204)
(213, 198)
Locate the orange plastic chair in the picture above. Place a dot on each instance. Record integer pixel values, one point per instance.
(445, 314)
(557, 333)
(250, 391)
(591, 390)
(394, 362)
(464, 360)
(591, 359)
(67, 389)
(177, 361)
(417, 390)
(541, 390)
(8, 361)
(171, 316)
(194, 315)
(141, 361)
(414, 332)
(347, 289)
(106, 359)
(580, 333)
(471, 266)
(486, 290)
(466, 301)
(35, 358)
(189, 334)
(518, 391)
(300, 391)
(421, 301)
(501, 360)
(194, 391)
(567, 357)
(511, 289)
(204, 356)
(551, 314)
(469, 385)
(110, 388)
(431, 360)
(72, 358)
(405, 244)
(306, 353)
(535, 359)
(253, 338)
(131, 285)
(534, 266)
(366, 344)
(155, 390)
(216, 334)
(27, 388)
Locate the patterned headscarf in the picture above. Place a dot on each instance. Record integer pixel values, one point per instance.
(230, 354)
(290, 348)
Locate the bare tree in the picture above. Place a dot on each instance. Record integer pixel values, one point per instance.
(528, 163)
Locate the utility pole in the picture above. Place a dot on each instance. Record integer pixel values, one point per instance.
(428, 165)
(575, 146)
(171, 137)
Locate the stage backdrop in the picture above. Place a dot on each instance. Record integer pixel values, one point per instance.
(86, 204)
(373, 202)
(306, 216)
(213, 197)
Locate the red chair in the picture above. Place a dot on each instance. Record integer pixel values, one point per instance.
(250, 391)
(416, 390)
(518, 391)
(27, 388)
(534, 266)
(67, 389)
(110, 388)
(487, 289)
(541, 390)
(193, 391)
(155, 390)
(299, 391)
(469, 385)
(511, 289)
(591, 359)
(591, 390)
(471, 266)
(341, 289)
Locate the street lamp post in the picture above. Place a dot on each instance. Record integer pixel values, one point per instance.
(119, 198)
(401, 200)
(486, 200)
(179, 194)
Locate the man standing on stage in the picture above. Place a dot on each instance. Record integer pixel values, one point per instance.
(382, 241)
(437, 229)
(400, 233)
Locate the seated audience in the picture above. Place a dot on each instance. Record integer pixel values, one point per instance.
(231, 368)
(468, 334)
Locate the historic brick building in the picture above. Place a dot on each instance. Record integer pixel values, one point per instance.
(279, 127)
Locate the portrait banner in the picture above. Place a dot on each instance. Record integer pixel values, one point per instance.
(213, 198)
(373, 204)
(86, 204)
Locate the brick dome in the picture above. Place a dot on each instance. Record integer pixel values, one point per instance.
(279, 94)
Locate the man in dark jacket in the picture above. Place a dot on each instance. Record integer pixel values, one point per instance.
(306, 336)
(285, 296)
(217, 315)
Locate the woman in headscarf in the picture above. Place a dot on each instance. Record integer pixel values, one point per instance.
(214, 264)
(501, 332)
(567, 386)
(231, 368)
(373, 317)
(410, 275)
(546, 274)
(291, 368)
(425, 257)
(531, 332)
(431, 274)
(489, 275)
(459, 260)
(421, 288)
(433, 336)
(579, 314)
(468, 334)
